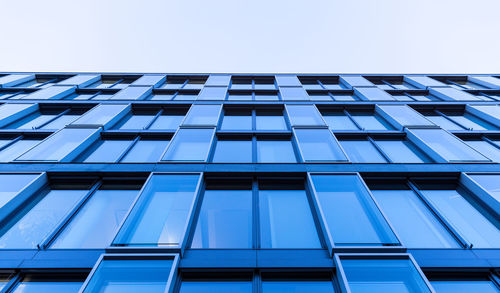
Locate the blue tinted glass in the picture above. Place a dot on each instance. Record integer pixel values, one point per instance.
(351, 215)
(464, 286)
(48, 287)
(6, 110)
(11, 184)
(233, 122)
(160, 215)
(383, 275)
(286, 220)
(60, 122)
(415, 224)
(225, 220)
(405, 115)
(293, 93)
(127, 276)
(402, 151)
(213, 93)
(373, 94)
(131, 92)
(145, 151)
(297, 286)
(214, 286)
(136, 122)
(465, 218)
(108, 151)
(362, 151)
(233, 151)
(444, 123)
(472, 122)
(57, 146)
(489, 182)
(369, 121)
(275, 151)
(32, 121)
(190, 145)
(97, 222)
(101, 114)
(264, 122)
(167, 122)
(339, 122)
(485, 148)
(29, 229)
(304, 115)
(319, 145)
(16, 149)
(203, 115)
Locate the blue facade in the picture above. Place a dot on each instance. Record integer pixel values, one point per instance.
(249, 183)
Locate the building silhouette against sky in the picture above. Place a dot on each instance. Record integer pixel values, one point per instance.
(249, 183)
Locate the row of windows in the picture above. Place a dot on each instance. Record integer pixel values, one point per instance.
(146, 274)
(326, 210)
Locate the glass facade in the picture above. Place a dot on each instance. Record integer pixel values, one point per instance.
(249, 183)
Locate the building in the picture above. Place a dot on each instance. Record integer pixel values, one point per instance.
(249, 183)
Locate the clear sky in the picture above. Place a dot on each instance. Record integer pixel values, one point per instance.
(365, 36)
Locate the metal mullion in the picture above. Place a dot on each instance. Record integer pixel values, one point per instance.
(495, 279)
(17, 93)
(379, 149)
(409, 96)
(257, 282)
(255, 214)
(490, 141)
(67, 219)
(127, 150)
(352, 119)
(438, 215)
(18, 138)
(457, 84)
(488, 96)
(53, 119)
(16, 279)
(185, 83)
(116, 83)
(448, 118)
(389, 84)
(321, 84)
(254, 149)
(253, 88)
(153, 120)
(49, 81)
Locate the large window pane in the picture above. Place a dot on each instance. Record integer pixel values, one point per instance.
(383, 275)
(167, 122)
(489, 182)
(370, 121)
(362, 151)
(45, 284)
(96, 223)
(60, 122)
(160, 215)
(404, 115)
(464, 286)
(275, 151)
(136, 122)
(11, 184)
(213, 93)
(351, 215)
(472, 122)
(293, 93)
(59, 145)
(146, 151)
(225, 220)
(485, 148)
(304, 115)
(270, 122)
(444, 122)
(29, 228)
(203, 115)
(102, 115)
(286, 220)
(469, 222)
(190, 145)
(16, 149)
(223, 286)
(402, 151)
(233, 151)
(415, 224)
(232, 121)
(124, 276)
(339, 121)
(318, 145)
(32, 121)
(297, 286)
(107, 151)
(447, 145)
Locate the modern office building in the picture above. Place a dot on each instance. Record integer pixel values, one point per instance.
(249, 183)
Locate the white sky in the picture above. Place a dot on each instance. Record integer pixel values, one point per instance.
(351, 36)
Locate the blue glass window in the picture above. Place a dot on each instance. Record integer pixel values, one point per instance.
(127, 276)
(489, 182)
(132, 93)
(59, 146)
(102, 115)
(203, 115)
(219, 80)
(225, 220)
(338, 121)
(275, 151)
(286, 220)
(270, 121)
(16, 149)
(457, 286)
(471, 223)
(136, 122)
(167, 122)
(350, 213)
(161, 213)
(304, 115)
(471, 122)
(146, 151)
(213, 93)
(32, 121)
(415, 224)
(486, 149)
(60, 122)
(190, 145)
(11, 184)
(29, 228)
(362, 151)
(373, 94)
(383, 275)
(106, 151)
(318, 145)
(404, 115)
(233, 151)
(293, 94)
(370, 121)
(402, 151)
(298, 286)
(39, 284)
(222, 286)
(444, 122)
(237, 121)
(96, 223)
